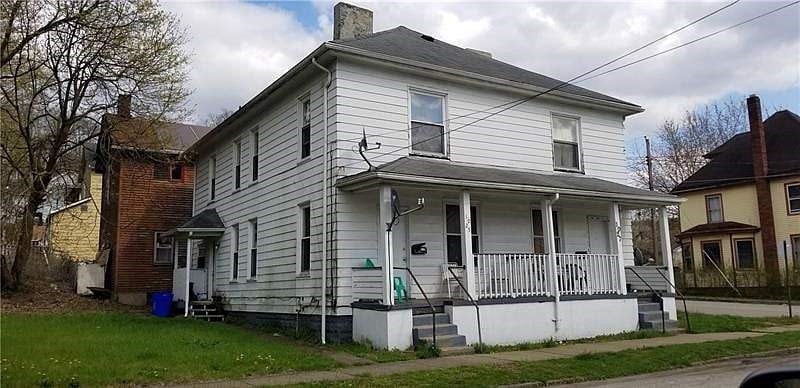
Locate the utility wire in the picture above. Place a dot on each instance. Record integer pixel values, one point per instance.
(568, 82)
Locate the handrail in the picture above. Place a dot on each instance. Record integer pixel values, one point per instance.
(683, 298)
(433, 311)
(660, 299)
(477, 309)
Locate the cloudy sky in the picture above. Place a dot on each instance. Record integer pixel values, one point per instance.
(240, 47)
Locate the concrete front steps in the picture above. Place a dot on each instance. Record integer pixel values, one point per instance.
(650, 317)
(447, 337)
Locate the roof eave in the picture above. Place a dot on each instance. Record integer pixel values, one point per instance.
(628, 108)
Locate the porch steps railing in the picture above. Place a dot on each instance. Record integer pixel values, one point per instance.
(587, 273)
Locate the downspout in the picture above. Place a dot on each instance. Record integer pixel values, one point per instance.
(324, 196)
(556, 293)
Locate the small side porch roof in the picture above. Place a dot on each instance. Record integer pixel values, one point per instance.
(207, 223)
(428, 171)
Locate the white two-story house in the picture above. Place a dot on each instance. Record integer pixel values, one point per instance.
(498, 201)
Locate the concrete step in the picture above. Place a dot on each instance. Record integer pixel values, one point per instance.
(427, 319)
(656, 325)
(645, 307)
(447, 341)
(421, 310)
(441, 329)
(201, 302)
(652, 316)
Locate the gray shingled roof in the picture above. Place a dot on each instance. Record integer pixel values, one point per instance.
(444, 169)
(408, 44)
(206, 219)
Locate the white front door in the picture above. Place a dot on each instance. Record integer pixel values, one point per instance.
(598, 234)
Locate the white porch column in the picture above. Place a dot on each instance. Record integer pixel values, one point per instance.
(666, 248)
(188, 274)
(615, 234)
(466, 242)
(550, 248)
(385, 243)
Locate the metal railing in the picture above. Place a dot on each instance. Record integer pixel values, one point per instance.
(474, 303)
(424, 295)
(683, 299)
(660, 300)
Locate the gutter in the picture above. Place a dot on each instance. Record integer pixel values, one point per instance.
(324, 195)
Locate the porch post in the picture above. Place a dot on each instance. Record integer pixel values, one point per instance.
(466, 242)
(385, 242)
(188, 274)
(615, 230)
(550, 244)
(666, 248)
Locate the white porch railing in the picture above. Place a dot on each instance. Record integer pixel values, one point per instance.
(512, 275)
(587, 274)
(504, 275)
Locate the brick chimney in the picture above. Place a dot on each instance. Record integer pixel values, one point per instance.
(351, 22)
(758, 144)
(124, 105)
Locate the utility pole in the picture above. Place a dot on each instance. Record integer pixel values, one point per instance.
(649, 159)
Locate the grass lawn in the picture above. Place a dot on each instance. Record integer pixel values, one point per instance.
(586, 367)
(376, 355)
(706, 323)
(94, 349)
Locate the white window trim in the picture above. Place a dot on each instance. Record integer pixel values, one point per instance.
(255, 137)
(559, 224)
(299, 254)
(235, 254)
(156, 248)
(789, 199)
(453, 202)
(212, 177)
(300, 100)
(579, 135)
(252, 240)
(445, 126)
(236, 158)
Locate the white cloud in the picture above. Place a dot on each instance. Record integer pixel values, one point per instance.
(241, 47)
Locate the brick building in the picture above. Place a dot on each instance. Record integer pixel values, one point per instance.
(147, 190)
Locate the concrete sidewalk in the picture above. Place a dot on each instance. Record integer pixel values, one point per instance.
(482, 359)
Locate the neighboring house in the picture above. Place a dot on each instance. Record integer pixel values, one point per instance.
(74, 230)
(528, 207)
(743, 206)
(147, 190)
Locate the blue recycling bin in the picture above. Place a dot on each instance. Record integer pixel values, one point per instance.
(162, 304)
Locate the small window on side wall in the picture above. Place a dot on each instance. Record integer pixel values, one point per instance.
(162, 248)
(427, 124)
(793, 198)
(714, 208)
(566, 143)
(304, 237)
(305, 127)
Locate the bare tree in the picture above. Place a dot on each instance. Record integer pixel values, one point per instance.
(61, 77)
(216, 118)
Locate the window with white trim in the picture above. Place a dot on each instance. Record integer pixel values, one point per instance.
(427, 124)
(566, 143)
(793, 198)
(212, 178)
(305, 128)
(254, 156)
(304, 239)
(453, 233)
(162, 248)
(253, 258)
(237, 164)
(235, 252)
(538, 232)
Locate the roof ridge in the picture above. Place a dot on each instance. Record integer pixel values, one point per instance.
(374, 34)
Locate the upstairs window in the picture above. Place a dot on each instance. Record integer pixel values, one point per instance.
(168, 171)
(566, 143)
(176, 172)
(254, 161)
(237, 164)
(427, 124)
(453, 233)
(714, 208)
(212, 178)
(305, 129)
(162, 249)
(793, 198)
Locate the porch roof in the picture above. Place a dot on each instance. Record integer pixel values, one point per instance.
(207, 223)
(718, 227)
(417, 170)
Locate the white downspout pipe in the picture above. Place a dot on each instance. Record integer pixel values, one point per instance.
(188, 274)
(324, 196)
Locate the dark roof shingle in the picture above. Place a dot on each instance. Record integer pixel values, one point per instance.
(718, 227)
(206, 219)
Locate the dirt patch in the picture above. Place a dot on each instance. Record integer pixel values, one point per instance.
(45, 297)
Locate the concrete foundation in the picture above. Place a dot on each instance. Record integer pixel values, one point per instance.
(383, 329)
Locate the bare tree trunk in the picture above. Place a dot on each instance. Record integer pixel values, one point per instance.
(23, 250)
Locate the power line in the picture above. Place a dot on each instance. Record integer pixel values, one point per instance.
(568, 82)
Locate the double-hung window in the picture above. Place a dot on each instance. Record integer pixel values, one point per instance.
(745, 253)
(212, 177)
(712, 254)
(304, 239)
(427, 124)
(453, 233)
(235, 252)
(162, 249)
(305, 129)
(566, 143)
(253, 248)
(793, 198)
(714, 208)
(237, 164)
(538, 232)
(254, 156)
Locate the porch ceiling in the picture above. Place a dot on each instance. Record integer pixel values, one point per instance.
(416, 170)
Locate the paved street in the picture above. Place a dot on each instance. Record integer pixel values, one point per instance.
(723, 374)
(740, 309)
